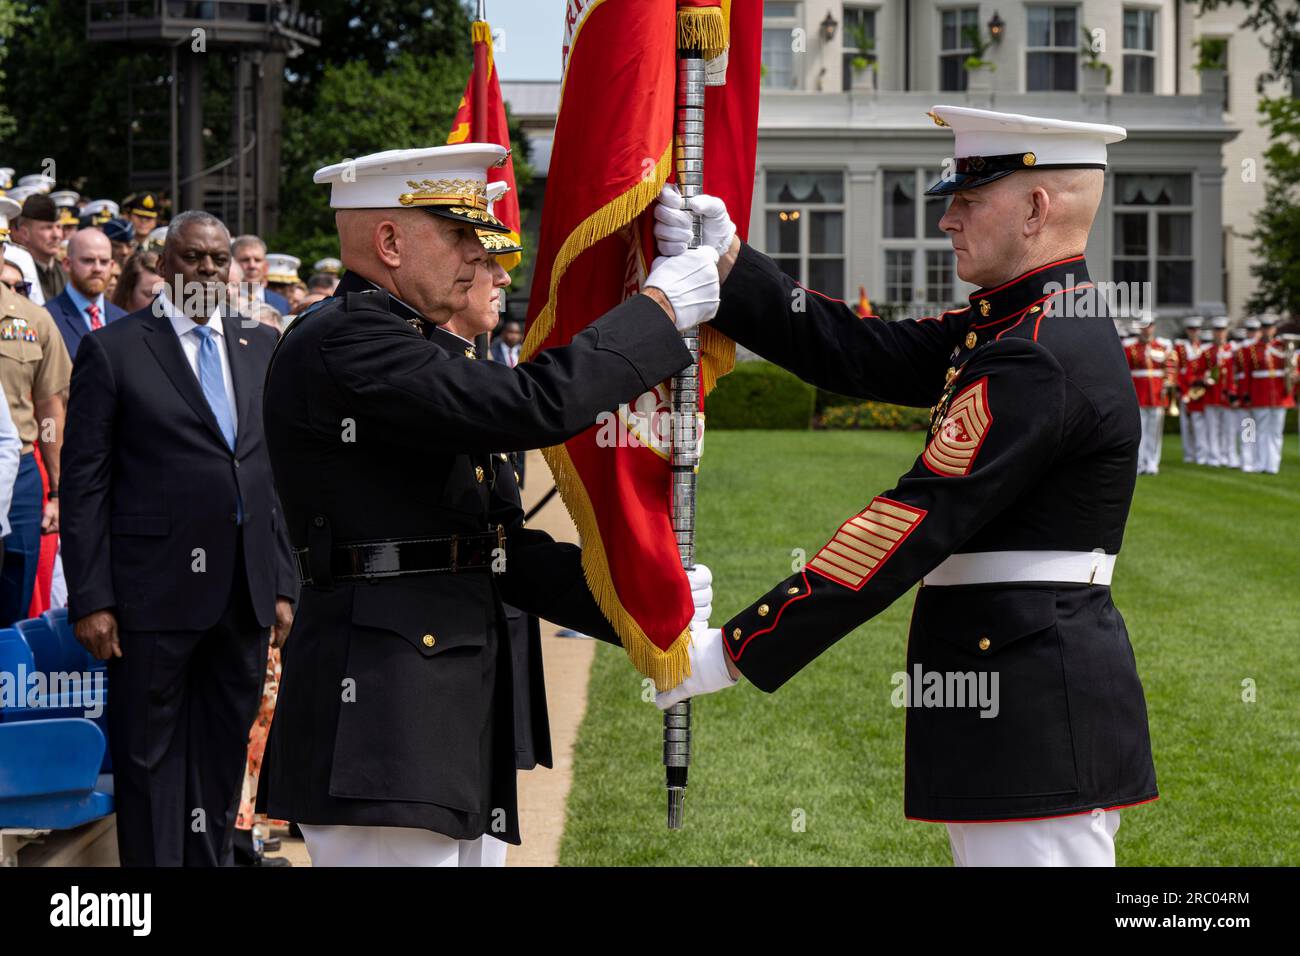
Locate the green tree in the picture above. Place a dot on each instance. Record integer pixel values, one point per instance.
(1277, 223)
(12, 21)
(1277, 23)
(355, 111)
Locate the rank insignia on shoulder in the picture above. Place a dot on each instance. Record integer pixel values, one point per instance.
(958, 437)
(865, 542)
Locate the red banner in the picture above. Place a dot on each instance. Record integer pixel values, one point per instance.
(612, 154)
(481, 118)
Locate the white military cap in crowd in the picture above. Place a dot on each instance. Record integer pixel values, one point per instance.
(448, 181)
(9, 210)
(988, 145)
(66, 198)
(1193, 322)
(100, 211)
(20, 193)
(156, 238)
(1268, 319)
(329, 265)
(1219, 322)
(1143, 321)
(39, 182)
(1251, 323)
(282, 268)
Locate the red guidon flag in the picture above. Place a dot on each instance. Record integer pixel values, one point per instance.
(612, 154)
(481, 118)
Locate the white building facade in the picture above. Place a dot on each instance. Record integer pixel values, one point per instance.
(846, 150)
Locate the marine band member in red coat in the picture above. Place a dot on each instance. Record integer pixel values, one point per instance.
(1189, 356)
(1151, 365)
(1264, 369)
(1220, 415)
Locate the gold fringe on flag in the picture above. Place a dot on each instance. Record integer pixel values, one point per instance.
(702, 29)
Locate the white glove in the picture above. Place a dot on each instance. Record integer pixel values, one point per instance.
(673, 223)
(690, 283)
(701, 579)
(708, 668)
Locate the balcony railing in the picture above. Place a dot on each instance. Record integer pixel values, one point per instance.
(264, 22)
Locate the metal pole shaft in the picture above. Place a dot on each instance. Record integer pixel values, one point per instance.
(686, 404)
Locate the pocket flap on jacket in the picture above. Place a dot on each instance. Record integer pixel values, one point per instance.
(152, 525)
(433, 617)
(985, 622)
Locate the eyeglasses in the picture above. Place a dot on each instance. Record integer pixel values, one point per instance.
(22, 287)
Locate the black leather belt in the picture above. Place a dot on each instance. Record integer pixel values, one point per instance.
(394, 557)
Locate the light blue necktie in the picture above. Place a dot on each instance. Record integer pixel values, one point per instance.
(214, 390)
(214, 384)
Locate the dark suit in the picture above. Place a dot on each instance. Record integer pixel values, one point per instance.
(396, 705)
(152, 496)
(72, 321)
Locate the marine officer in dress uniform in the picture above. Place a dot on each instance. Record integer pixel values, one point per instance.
(1012, 515)
(393, 739)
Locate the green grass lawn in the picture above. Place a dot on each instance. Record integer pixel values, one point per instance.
(1208, 583)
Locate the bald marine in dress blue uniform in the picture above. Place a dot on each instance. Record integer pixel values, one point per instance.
(1011, 517)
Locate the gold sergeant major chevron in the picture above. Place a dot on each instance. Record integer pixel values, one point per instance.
(865, 542)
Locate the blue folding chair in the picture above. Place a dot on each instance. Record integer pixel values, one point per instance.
(49, 774)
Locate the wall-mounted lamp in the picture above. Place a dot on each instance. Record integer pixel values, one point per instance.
(996, 26)
(829, 26)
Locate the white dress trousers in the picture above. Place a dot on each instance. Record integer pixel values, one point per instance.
(1084, 839)
(1153, 423)
(397, 846)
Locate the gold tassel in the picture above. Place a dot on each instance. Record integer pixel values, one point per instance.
(481, 32)
(702, 30)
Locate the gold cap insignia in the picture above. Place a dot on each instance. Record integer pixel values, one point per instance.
(985, 308)
(445, 192)
(938, 121)
(147, 202)
(1029, 159)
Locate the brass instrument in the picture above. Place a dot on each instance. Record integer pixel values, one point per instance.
(1292, 340)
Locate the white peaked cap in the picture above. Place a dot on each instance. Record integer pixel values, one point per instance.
(989, 145)
(449, 181)
(282, 268)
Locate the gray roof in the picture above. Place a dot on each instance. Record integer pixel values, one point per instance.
(532, 99)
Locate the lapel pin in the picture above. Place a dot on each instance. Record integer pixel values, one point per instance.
(243, 341)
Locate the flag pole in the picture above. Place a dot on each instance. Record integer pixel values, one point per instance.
(478, 118)
(689, 166)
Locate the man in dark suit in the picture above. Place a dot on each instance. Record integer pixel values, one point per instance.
(82, 306)
(250, 252)
(174, 548)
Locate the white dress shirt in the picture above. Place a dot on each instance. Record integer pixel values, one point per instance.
(191, 340)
